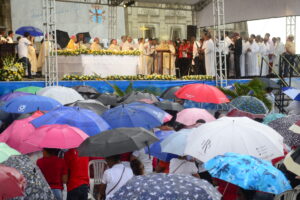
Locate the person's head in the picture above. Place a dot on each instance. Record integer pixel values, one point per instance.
(112, 160)
(274, 40)
(114, 41)
(11, 34)
(170, 42)
(217, 114)
(31, 38)
(124, 38)
(47, 152)
(200, 121)
(258, 38)
(18, 38)
(137, 167)
(226, 33)
(81, 37)
(278, 39)
(290, 38)
(193, 39)
(267, 36)
(96, 40)
(269, 89)
(129, 39)
(207, 36)
(74, 38)
(26, 35)
(141, 40)
(150, 41)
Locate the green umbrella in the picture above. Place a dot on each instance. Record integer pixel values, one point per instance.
(29, 89)
(6, 152)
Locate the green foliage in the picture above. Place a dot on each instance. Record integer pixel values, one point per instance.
(253, 88)
(11, 70)
(118, 91)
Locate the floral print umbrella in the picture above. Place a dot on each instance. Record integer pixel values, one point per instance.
(166, 187)
(248, 172)
(249, 104)
(282, 126)
(37, 187)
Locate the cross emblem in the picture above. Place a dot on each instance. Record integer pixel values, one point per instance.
(97, 14)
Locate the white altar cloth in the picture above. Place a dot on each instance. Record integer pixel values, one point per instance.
(97, 64)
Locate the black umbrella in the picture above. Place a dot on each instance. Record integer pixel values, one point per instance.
(108, 99)
(169, 93)
(137, 96)
(86, 36)
(116, 141)
(169, 105)
(37, 187)
(88, 92)
(62, 38)
(269, 83)
(90, 104)
(292, 161)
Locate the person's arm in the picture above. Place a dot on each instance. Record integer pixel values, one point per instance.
(102, 189)
(65, 178)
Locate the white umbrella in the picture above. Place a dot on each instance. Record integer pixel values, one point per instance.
(234, 134)
(64, 95)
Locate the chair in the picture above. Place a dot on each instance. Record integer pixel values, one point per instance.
(99, 167)
(288, 195)
(296, 193)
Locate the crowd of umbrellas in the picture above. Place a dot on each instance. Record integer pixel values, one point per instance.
(234, 148)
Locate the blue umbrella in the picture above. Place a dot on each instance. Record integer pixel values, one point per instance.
(155, 148)
(293, 93)
(30, 103)
(248, 172)
(273, 116)
(30, 29)
(135, 115)
(166, 187)
(84, 119)
(9, 96)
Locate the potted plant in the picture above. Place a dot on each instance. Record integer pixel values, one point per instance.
(11, 70)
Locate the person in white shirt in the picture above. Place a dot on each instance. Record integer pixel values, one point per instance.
(145, 159)
(10, 37)
(149, 52)
(128, 45)
(2, 38)
(23, 45)
(123, 40)
(208, 48)
(251, 57)
(181, 165)
(115, 177)
(279, 49)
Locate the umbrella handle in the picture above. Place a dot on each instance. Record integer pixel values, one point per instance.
(148, 149)
(225, 189)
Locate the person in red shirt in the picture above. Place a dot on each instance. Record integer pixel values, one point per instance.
(54, 170)
(183, 58)
(78, 177)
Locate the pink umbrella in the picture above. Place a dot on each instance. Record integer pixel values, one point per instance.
(12, 183)
(190, 116)
(57, 136)
(19, 131)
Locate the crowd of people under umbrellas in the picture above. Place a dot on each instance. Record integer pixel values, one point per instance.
(151, 147)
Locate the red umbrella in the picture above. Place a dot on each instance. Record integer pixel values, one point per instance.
(12, 182)
(202, 93)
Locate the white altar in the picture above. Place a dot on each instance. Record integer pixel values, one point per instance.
(103, 65)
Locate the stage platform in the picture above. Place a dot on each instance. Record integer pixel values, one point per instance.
(155, 86)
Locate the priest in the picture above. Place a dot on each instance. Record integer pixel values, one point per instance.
(208, 48)
(96, 45)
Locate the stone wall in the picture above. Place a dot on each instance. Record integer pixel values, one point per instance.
(5, 14)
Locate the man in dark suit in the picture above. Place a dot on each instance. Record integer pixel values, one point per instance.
(238, 48)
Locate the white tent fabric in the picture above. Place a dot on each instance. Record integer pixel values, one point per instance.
(242, 10)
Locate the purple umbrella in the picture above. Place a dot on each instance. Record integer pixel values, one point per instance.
(12, 95)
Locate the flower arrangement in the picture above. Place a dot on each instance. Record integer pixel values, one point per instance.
(100, 53)
(11, 70)
(137, 77)
(197, 77)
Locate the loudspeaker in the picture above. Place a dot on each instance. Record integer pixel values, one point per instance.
(191, 31)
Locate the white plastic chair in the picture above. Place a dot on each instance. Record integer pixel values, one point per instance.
(99, 167)
(288, 195)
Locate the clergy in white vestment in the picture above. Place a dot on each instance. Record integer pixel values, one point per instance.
(128, 45)
(209, 53)
(242, 58)
(279, 49)
(96, 45)
(142, 59)
(114, 45)
(149, 52)
(123, 40)
(264, 51)
(251, 57)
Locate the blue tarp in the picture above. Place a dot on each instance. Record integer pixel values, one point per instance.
(154, 86)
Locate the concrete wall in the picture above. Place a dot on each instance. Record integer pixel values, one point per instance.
(5, 15)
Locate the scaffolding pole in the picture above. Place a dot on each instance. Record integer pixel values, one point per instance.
(219, 35)
(50, 44)
(291, 26)
(113, 19)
